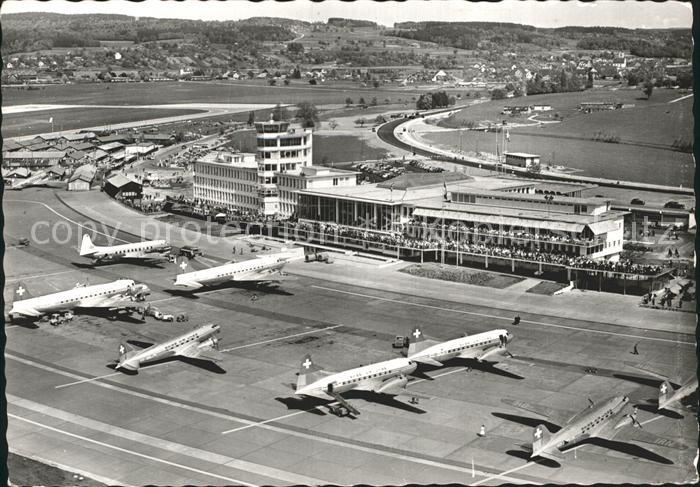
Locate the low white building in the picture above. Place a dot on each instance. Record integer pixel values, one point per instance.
(227, 180)
(313, 177)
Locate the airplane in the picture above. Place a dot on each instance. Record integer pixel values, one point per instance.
(199, 343)
(671, 393)
(670, 398)
(153, 249)
(604, 420)
(110, 295)
(388, 378)
(478, 347)
(264, 268)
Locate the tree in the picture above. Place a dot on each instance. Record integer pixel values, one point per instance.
(376, 83)
(361, 102)
(425, 102)
(296, 74)
(313, 81)
(685, 80)
(648, 88)
(272, 82)
(286, 81)
(498, 94)
(632, 79)
(361, 122)
(280, 113)
(380, 119)
(251, 118)
(295, 48)
(373, 102)
(348, 101)
(332, 124)
(308, 113)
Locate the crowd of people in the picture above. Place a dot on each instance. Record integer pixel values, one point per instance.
(521, 252)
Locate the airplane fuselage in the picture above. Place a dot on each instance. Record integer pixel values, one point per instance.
(170, 347)
(360, 378)
(96, 296)
(470, 346)
(249, 270)
(136, 250)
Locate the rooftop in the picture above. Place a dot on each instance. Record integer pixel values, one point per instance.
(521, 154)
(25, 154)
(234, 159)
(120, 180)
(311, 172)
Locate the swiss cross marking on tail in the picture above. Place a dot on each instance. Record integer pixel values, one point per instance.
(121, 349)
(306, 364)
(183, 265)
(538, 433)
(416, 333)
(663, 386)
(21, 291)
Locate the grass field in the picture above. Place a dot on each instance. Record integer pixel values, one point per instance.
(204, 92)
(20, 124)
(643, 131)
(459, 274)
(329, 149)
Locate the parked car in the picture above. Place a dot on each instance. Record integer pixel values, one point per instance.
(675, 204)
(637, 201)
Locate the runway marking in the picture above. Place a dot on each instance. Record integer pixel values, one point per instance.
(484, 315)
(681, 98)
(86, 380)
(69, 220)
(163, 444)
(310, 436)
(130, 452)
(281, 338)
(650, 420)
(501, 475)
(259, 423)
(27, 278)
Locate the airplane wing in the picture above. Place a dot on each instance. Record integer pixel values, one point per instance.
(427, 361)
(493, 352)
(555, 415)
(638, 434)
(195, 351)
(189, 284)
(30, 312)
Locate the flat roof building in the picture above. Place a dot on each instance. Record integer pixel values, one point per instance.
(227, 180)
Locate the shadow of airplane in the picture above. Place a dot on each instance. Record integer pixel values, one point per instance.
(627, 448)
(525, 455)
(645, 381)
(652, 408)
(110, 314)
(486, 367)
(237, 285)
(154, 264)
(527, 421)
(307, 403)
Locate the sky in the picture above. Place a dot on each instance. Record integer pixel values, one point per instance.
(552, 13)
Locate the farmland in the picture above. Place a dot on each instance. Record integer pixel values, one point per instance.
(37, 122)
(204, 92)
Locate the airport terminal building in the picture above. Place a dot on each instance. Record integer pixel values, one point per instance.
(510, 213)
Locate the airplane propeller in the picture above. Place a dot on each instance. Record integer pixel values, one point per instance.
(590, 403)
(633, 417)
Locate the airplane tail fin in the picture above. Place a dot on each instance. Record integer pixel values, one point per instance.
(126, 351)
(540, 437)
(309, 372)
(21, 292)
(86, 246)
(665, 391)
(183, 265)
(416, 341)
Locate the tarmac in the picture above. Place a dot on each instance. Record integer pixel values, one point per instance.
(237, 421)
